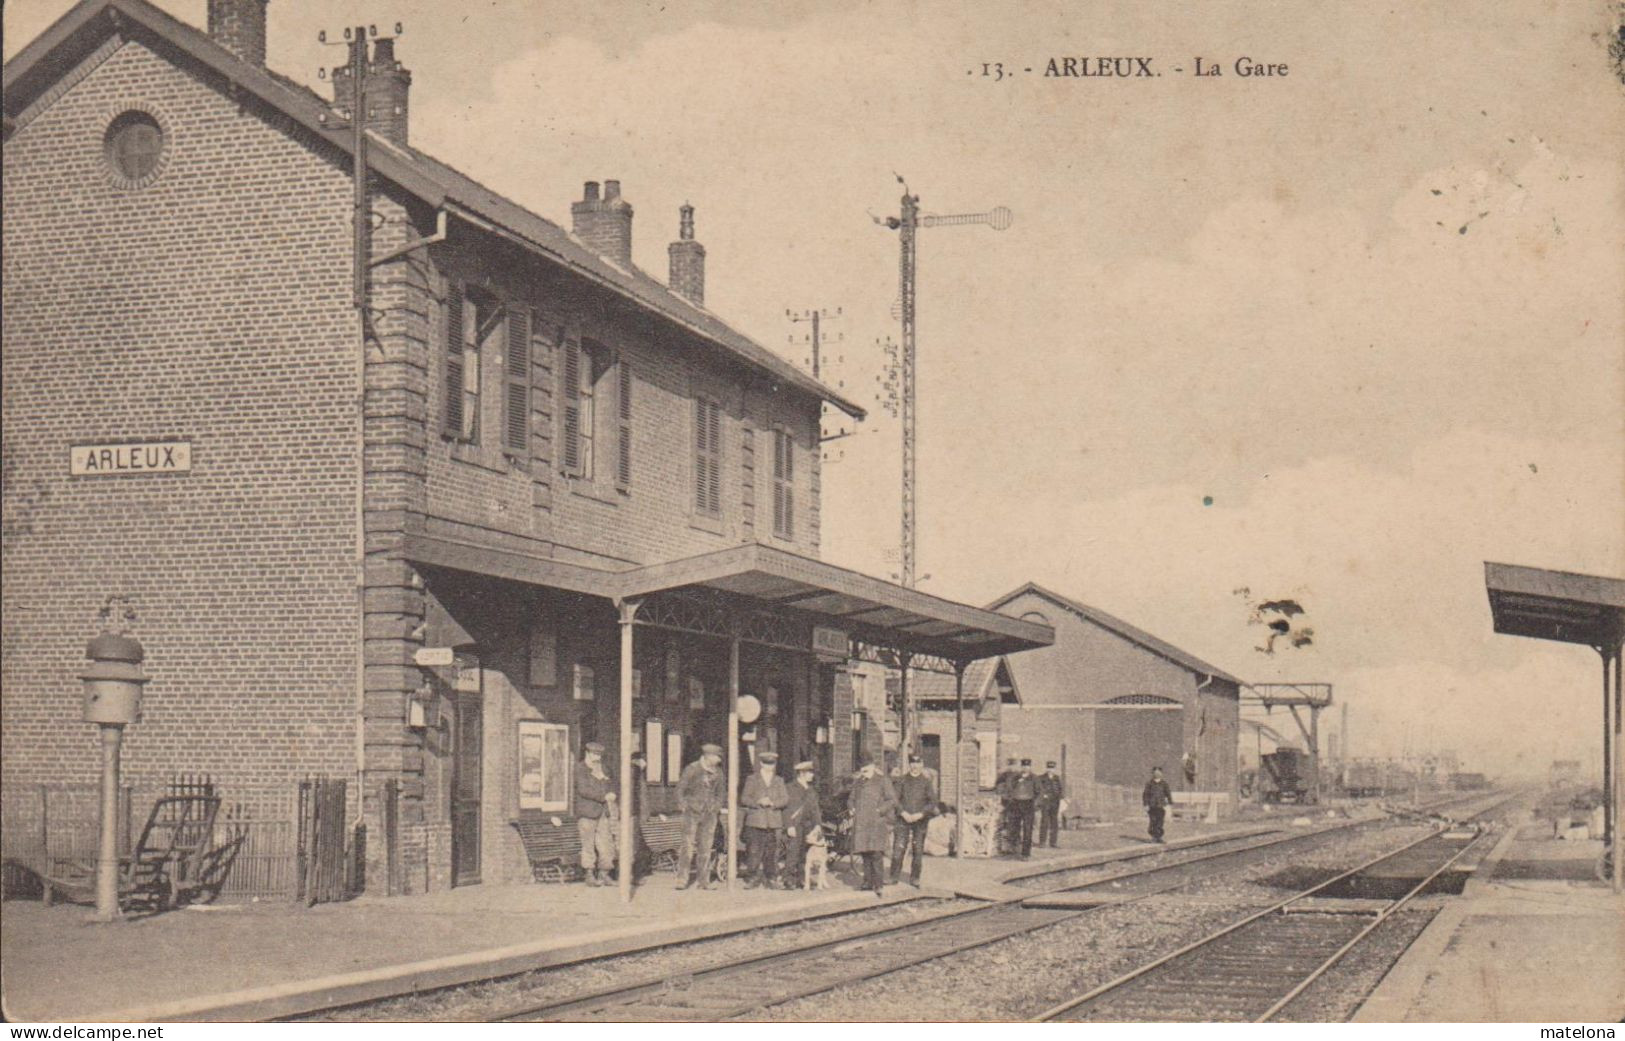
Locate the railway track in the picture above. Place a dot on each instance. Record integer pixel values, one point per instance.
(737, 987)
(1252, 969)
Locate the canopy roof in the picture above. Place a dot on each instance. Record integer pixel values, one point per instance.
(1556, 605)
(868, 609)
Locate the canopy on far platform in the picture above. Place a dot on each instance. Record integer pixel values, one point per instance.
(1556, 605)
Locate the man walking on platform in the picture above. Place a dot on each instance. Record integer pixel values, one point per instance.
(764, 799)
(1048, 804)
(1156, 797)
(595, 815)
(916, 800)
(1023, 790)
(873, 802)
(801, 816)
(702, 792)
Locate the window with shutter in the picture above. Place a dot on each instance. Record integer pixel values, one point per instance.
(623, 438)
(452, 420)
(707, 457)
(570, 385)
(783, 483)
(516, 403)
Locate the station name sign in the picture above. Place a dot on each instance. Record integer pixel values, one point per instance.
(830, 644)
(130, 457)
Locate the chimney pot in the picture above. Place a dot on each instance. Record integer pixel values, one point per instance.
(604, 224)
(239, 27)
(687, 258)
(388, 88)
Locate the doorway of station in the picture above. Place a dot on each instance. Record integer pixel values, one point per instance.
(467, 775)
(931, 753)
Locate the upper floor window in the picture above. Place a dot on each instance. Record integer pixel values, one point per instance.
(707, 457)
(585, 383)
(486, 341)
(784, 501)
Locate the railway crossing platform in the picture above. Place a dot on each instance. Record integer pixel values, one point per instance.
(257, 961)
(1535, 937)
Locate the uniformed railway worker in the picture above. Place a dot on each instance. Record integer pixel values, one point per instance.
(916, 800)
(1156, 797)
(595, 798)
(764, 799)
(1006, 840)
(1023, 790)
(801, 816)
(702, 792)
(1048, 805)
(873, 801)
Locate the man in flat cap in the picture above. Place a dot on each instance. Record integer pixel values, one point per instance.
(872, 804)
(764, 799)
(702, 792)
(1023, 790)
(801, 816)
(1157, 798)
(595, 798)
(916, 801)
(1048, 805)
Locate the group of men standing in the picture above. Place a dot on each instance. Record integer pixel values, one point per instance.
(1026, 798)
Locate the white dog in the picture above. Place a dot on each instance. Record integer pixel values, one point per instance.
(817, 859)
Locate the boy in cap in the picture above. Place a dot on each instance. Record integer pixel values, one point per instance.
(595, 798)
(1156, 798)
(916, 799)
(1048, 804)
(764, 799)
(801, 816)
(702, 791)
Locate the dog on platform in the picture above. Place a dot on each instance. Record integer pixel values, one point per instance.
(817, 859)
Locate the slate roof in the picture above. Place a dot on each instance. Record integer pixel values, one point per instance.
(1121, 628)
(33, 70)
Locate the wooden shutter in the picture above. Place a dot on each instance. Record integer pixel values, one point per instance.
(516, 374)
(707, 456)
(452, 419)
(623, 440)
(571, 382)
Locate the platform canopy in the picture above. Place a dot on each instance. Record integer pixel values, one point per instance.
(1556, 605)
(872, 611)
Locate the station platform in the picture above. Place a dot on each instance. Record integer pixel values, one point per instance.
(1534, 938)
(235, 962)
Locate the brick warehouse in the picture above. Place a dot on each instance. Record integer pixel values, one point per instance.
(1110, 701)
(528, 458)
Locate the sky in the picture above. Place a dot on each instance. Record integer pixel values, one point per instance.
(1339, 336)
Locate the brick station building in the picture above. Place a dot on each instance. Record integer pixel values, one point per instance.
(523, 497)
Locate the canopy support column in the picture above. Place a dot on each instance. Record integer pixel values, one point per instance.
(733, 762)
(959, 758)
(628, 610)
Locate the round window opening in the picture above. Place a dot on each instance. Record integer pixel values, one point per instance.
(135, 143)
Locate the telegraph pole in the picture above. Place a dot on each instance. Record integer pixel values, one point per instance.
(907, 225)
(815, 316)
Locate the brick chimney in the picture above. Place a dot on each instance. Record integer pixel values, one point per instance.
(604, 225)
(239, 27)
(687, 260)
(387, 87)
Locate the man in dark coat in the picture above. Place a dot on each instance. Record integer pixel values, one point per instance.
(873, 802)
(1048, 804)
(595, 797)
(764, 800)
(1023, 788)
(702, 792)
(1006, 840)
(1157, 798)
(916, 801)
(801, 816)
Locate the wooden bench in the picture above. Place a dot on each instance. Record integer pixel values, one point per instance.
(1198, 805)
(554, 850)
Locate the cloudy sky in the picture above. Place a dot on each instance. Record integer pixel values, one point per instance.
(1339, 336)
